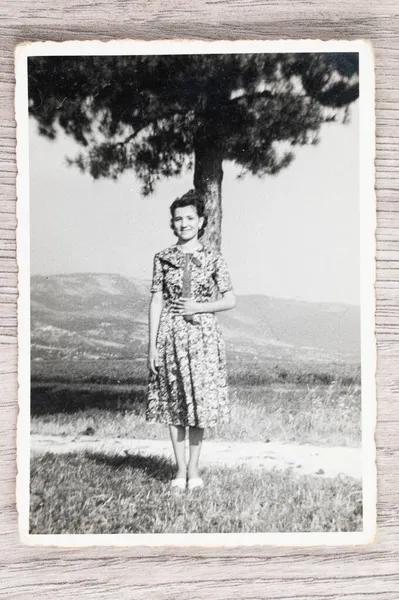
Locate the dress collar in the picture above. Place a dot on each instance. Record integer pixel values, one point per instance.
(175, 256)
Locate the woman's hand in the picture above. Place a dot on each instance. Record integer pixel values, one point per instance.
(186, 307)
(153, 361)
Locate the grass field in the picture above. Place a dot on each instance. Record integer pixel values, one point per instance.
(318, 414)
(80, 494)
(242, 371)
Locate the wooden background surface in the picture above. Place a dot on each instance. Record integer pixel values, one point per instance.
(276, 573)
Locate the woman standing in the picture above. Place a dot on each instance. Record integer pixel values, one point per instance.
(187, 362)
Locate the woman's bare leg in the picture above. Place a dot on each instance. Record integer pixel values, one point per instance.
(178, 437)
(195, 438)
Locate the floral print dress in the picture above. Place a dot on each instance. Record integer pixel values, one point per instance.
(190, 388)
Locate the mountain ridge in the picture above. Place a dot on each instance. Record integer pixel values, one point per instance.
(147, 283)
(75, 312)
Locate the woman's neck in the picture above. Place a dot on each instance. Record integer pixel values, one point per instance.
(189, 246)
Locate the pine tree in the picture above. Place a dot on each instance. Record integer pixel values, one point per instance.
(159, 115)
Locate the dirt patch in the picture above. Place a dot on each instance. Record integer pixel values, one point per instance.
(311, 460)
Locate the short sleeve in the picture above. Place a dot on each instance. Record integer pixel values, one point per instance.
(157, 275)
(222, 275)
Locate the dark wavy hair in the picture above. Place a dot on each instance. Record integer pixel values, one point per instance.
(191, 198)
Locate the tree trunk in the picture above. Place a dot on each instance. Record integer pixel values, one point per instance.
(208, 175)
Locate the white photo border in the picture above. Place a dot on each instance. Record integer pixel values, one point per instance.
(367, 275)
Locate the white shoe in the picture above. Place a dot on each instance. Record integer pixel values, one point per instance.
(194, 483)
(179, 483)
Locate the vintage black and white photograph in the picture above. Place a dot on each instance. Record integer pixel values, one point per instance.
(196, 292)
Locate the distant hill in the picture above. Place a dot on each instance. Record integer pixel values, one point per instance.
(106, 316)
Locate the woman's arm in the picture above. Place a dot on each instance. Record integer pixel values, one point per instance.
(154, 318)
(185, 306)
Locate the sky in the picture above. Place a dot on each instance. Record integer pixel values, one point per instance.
(293, 235)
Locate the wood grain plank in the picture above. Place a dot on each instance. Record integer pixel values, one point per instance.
(275, 573)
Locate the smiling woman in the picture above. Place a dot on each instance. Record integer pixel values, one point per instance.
(187, 362)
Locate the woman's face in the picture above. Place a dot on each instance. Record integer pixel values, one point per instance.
(187, 223)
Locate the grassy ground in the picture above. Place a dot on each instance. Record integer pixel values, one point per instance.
(83, 493)
(314, 414)
(98, 494)
(241, 371)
